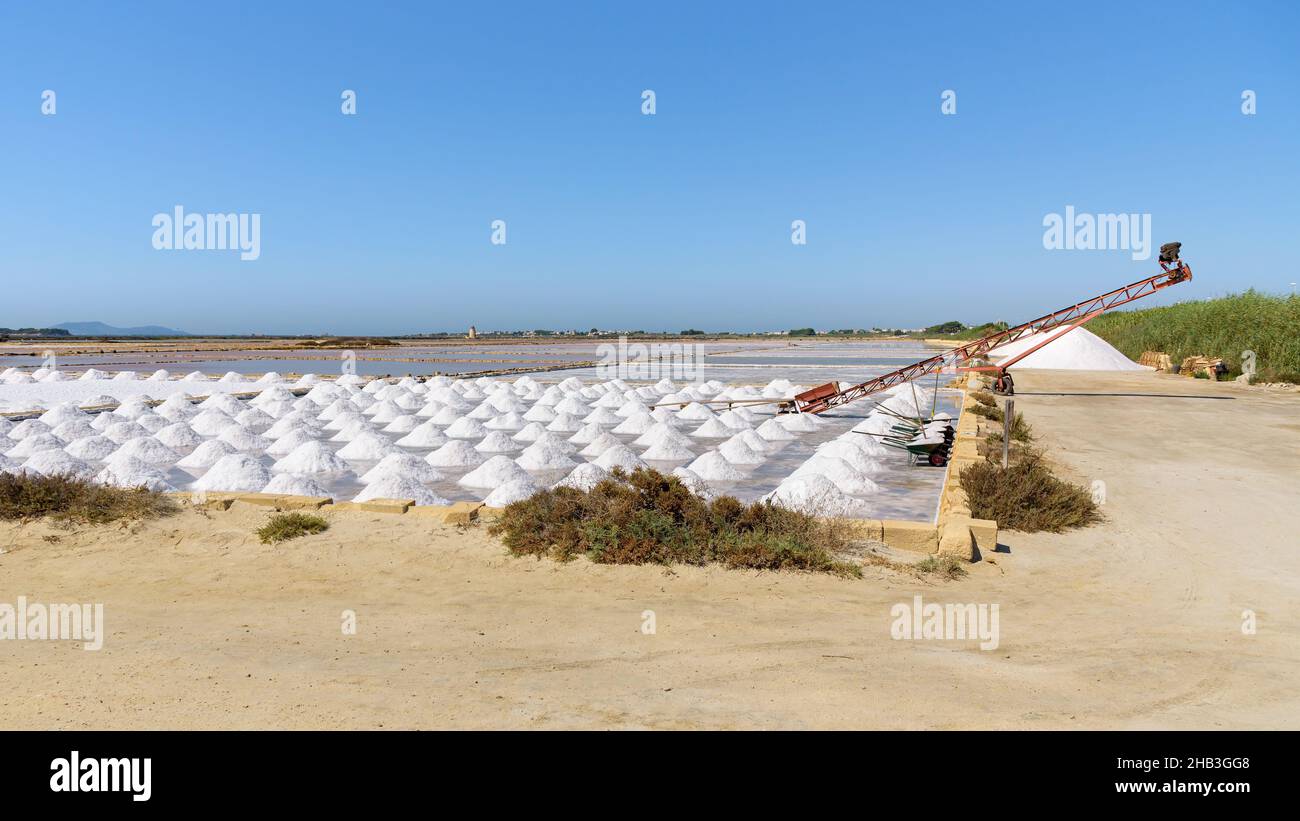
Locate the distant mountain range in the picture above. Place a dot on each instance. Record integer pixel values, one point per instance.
(101, 329)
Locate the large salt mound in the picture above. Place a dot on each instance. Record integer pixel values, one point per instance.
(796, 422)
(73, 430)
(30, 427)
(403, 424)
(148, 450)
(498, 441)
(714, 428)
(92, 448)
(734, 420)
(235, 472)
(243, 440)
(132, 473)
(455, 454)
(668, 450)
(735, 451)
(395, 486)
(288, 442)
(584, 477)
(602, 416)
(845, 476)
(425, 435)
(8, 465)
(851, 453)
(206, 455)
(713, 467)
(125, 431)
(620, 456)
(402, 464)
(588, 434)
(493, 473)
(695, 412)
(312, 458)
(513, 491)
(1078, 350)
(211, 422)
(601, 444)
(465, 428)
(816, 495)
(545, 455)
(289, 484)
(58, 463)
(368, 447)
(34, 444)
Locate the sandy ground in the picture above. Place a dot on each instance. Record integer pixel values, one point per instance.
(1134, 623)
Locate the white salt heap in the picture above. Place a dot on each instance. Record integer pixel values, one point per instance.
(132, 473)
(402, 464)
(237, 472)
(713, 467)
(395, 486)
(368, 447)
(425, 435)
(455, 454)
(291, 484)
(545, 455)
(620, 456)
(498, 441)
(584, 477)
(601, 444)
(493, 473)
(92, 448)
(148, 450)
(206, 455)
(312, 458)
(515, 490)
(1078, 350)
(847, 478)
(58, 463)
(816, 495)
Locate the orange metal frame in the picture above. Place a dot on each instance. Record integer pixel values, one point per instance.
(829, 395)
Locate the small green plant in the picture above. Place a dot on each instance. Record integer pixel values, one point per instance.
(949, 567)
(648, 518)
(66, 498)
(285, 526)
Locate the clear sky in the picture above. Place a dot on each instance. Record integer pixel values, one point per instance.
(532, 113)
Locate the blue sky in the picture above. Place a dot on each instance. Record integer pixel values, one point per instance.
(531, 113)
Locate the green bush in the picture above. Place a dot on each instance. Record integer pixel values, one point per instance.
(1224, 327)
(285, 526)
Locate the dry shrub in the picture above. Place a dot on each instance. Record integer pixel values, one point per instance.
(65, 498)
(648, 518)
(1027, 496)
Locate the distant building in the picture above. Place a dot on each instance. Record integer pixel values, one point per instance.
(473, 333)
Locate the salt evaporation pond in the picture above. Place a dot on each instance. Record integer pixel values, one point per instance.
(511, 410)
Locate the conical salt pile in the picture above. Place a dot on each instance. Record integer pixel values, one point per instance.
(455, 454)
(713, 467)
(425, 435)
(238, 472)
(148, 450)
(584, 477)
(816, 495)
(58, 463)
(290, 484)
(493, 473)
(844, 475)
(394, 486)
(91, 448)
(206, 455)
(402, 464)
(620, 456)
(544, 455)
(132, 473)
(312, 458)
(513, 491)
(367, 447)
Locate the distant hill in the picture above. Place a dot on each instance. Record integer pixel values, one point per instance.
(100, 329)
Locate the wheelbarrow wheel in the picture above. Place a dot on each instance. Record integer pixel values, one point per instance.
(938, 459)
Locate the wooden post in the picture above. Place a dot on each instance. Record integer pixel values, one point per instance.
(1008, 421)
